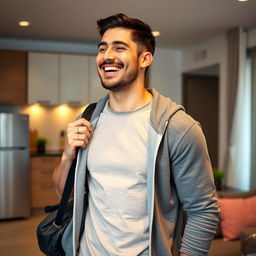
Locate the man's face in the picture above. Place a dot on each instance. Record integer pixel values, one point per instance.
(117, 59)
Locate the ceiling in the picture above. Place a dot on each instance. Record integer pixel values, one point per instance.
(182, 23)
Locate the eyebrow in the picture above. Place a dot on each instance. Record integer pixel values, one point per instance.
(114, 43)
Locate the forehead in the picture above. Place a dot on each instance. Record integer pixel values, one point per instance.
(117, 34)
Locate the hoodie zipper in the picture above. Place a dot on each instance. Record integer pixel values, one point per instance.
(153, 187)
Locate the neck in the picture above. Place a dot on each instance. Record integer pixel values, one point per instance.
(130, 98)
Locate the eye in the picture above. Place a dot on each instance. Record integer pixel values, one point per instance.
(120, 49)
(102, 49)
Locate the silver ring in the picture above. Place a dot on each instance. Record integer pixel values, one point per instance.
(77, 130)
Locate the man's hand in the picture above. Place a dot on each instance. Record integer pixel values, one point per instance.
(78, 135)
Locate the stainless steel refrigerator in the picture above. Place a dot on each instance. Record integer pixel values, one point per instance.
(14, 166)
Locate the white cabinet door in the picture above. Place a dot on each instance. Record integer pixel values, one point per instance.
(43, 78)
(96, 91)
(74, 79)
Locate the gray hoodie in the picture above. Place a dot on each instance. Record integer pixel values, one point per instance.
(179, 178)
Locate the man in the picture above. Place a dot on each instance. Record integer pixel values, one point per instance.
(143, 158)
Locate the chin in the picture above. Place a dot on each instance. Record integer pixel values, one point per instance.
(116, 84)
(112, 87)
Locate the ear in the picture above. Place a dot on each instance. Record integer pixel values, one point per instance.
(146, 59)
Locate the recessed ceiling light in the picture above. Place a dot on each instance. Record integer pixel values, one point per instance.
(24, 23)
(242, 0)
(155, 33)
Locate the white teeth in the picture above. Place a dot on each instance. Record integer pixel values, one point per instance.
(111, 69)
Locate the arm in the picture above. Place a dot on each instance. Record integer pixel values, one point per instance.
(192, 173)
(78, 135)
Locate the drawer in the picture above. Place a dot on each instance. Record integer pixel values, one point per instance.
(43, 195)
(42, 188)
(42, 177)
(42, 169)
(44, 163)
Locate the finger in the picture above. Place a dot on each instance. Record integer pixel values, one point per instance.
(83, 130)
(73, 131)
(79, 133)
(81, 137)
(81, 122)
(87, 124)
(80, 140)
(79, 143)
(76, 129)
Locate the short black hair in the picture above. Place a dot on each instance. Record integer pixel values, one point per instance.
(142, 32)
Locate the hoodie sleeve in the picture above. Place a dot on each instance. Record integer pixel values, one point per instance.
(192, 173)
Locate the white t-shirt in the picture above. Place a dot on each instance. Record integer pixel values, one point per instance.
(116, 219)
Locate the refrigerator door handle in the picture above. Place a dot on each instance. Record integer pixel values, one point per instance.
(12, 148)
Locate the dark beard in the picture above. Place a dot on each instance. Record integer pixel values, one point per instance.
(120, 84)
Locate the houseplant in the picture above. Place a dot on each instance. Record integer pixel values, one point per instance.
(41, 142)
(218, 175)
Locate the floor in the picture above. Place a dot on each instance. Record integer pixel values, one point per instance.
(18, 237)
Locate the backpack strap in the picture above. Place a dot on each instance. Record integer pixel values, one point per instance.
(71, 175)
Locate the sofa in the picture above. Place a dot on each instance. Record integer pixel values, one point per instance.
(245, 243)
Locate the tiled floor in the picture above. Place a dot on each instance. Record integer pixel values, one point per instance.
(18, 237)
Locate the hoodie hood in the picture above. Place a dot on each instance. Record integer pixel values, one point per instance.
(163, 109)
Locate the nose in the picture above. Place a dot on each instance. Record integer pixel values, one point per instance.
(109, 54)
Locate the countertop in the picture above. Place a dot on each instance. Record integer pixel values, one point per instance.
(48, 153)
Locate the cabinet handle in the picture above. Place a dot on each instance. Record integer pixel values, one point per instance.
(74, 102)
(43, 101)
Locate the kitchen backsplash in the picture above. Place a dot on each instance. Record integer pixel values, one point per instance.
(49, 121)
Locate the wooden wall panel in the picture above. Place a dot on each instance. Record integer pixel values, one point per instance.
(13, 77)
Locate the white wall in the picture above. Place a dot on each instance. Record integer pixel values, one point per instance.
(211, 52)
(165, 73)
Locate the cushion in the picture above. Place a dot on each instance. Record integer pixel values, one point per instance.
(236, 214)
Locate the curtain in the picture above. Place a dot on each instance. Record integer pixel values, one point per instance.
(232, 84)
(253, 116)
(238, 157)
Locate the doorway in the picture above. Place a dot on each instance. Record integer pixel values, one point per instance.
(201, 101)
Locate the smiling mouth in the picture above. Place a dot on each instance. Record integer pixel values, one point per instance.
(109, 66)
(111, 69)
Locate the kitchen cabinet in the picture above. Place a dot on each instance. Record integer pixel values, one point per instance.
(74, 72)
(43, 78)
(96, 91)
(13, 77)
(42, 188)
(55, 78)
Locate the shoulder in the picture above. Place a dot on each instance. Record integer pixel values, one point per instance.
(181, 124)
(184, 133)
